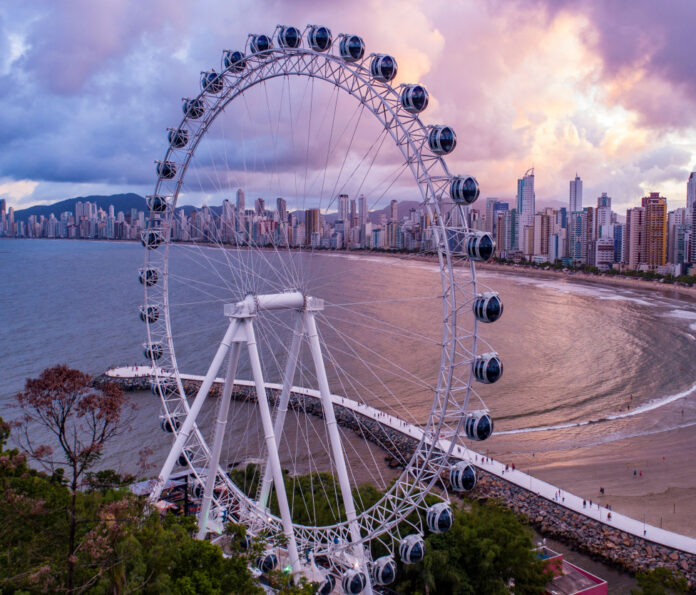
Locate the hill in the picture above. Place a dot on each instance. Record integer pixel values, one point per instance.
(126, 202)
(121, 202)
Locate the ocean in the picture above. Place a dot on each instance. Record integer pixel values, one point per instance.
(596, 378)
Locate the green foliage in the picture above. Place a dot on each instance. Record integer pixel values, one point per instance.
(486, 549)
(282, 582)
(660, 581)
(107, 479)
(121, 548)
(162, 556)
(316, 497)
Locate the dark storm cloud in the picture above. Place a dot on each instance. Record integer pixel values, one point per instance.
(87, 89)
(99, 82)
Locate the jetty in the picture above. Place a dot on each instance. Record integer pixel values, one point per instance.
(550, 508)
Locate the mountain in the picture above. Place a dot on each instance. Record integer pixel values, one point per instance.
(121, 202)
(126, 202)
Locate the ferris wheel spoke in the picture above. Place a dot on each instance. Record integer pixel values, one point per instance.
(375, 341)
(345, 381)
(347, 153)
(350, 351)
(384, 325)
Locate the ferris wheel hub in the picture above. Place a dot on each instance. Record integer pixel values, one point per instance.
(288, 300)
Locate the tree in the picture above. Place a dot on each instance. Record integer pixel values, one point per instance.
(80, 420)
(486, 549)
(122, 547)
(660, 581)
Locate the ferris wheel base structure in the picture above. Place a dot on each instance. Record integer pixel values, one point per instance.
(240, 332)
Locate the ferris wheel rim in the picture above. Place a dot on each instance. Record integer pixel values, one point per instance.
(357, 71)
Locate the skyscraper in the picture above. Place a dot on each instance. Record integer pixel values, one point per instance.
(656, 229)
(691, 191)
(634, 238)
(493, 207)
(312, 224)
(576, 194)
(603, 219)
(542, 228)
(240, 202)
(393, 211)
(526, 202)
(362, 209)
(577, 237)
(692, 244)
(343, 208)
(282, 208)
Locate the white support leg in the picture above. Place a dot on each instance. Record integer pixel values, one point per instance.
(185, 431)
(335, 439)
(272, 448)
(223, 410)
(283, 401)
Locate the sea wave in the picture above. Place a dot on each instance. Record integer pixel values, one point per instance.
(649, 406)
(685, 314)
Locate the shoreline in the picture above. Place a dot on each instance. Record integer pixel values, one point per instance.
(599, 537)
(581, 277)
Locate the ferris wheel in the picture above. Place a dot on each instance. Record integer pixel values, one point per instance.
(309, 354)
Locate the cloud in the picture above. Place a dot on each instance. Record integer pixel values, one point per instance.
(17, 190)
(584, 86)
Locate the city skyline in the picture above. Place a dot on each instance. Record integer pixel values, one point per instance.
(594, 112)
(649, 237)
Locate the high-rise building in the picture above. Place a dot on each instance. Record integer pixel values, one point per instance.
(635, 236)
(656, 229)
(603, 218)
(353, 213)
(260, 206)
(526, 200)
(575, 198)
(542, 227)
(604, 253)
(590, 226)
(312, 226)
(343, 208)
(282, 208)
(493, 207)
(691, 192)
(676, 218)
(393, 211)
(512, 228)
(618, 242)
(362, 209)
(692, 243)
(577, 237)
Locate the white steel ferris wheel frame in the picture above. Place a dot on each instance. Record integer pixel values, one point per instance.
(459, 345)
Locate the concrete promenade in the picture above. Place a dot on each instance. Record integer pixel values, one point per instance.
(519, 478)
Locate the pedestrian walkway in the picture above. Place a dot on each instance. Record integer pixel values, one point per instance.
(516, 477)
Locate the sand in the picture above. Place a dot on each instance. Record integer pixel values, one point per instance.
(600, 279)
(664, 495)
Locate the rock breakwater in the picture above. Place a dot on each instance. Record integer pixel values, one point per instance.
(550, 518)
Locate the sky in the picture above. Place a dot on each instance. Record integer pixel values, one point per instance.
(604, 89)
